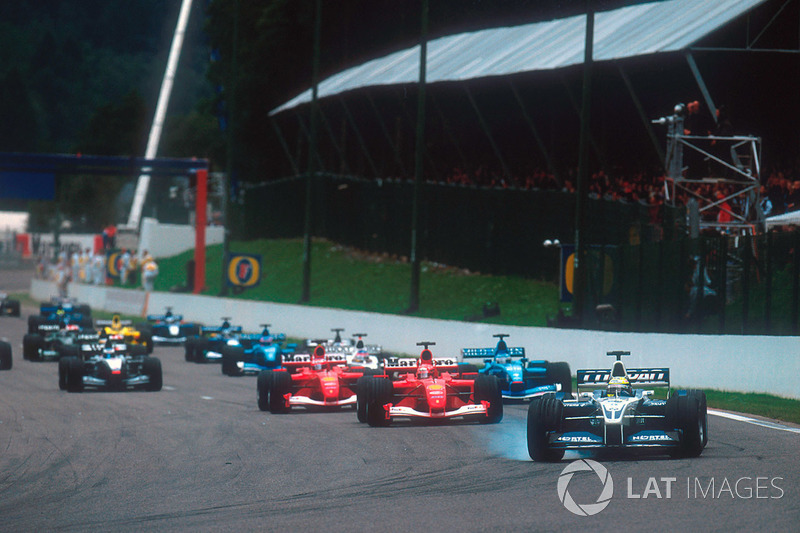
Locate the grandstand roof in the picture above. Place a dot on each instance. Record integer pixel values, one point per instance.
(637, 30)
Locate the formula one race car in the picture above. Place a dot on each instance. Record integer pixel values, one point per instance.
(51, 341)
(618, 417)
(115, 366)
(61, 313)
(170, 328)
(363, 355)
(6, 362)
(8, 306)
(428, 388)
(208, 345)
(124, 328)
(249, 354)
(311, 380)
(520, 379)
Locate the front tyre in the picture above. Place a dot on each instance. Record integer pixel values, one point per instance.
(6, 362)
(151, 367)
(542, 414)
(379, 393)
(488, 388)
(74, 374)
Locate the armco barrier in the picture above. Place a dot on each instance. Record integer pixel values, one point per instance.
(763, 364)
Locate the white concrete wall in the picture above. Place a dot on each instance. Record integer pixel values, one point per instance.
(165, 240)
(737, 363)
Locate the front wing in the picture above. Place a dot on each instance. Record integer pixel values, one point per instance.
(636, 430)
(465, 410)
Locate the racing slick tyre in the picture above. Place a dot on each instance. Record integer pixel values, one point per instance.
(189, 348)
(137, 349)
(151, 367)
(31, 344)
(544, 414)
(84, 310)
(560, 373)
(467, 370)
(146, 340)
(281, 386)
(74, 374)
(230, 356)
(263, 385)
(361, 397)
(5, 356)
(68, 350)
(379, 393)
(200, 347)
(684, 412)
(488, 388)
(13, 307)
(63, 369)
(192, 330)
(86, 323)
(33, 323)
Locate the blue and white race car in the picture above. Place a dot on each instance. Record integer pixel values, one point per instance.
(61, 312)
(207, 346)
(170, 328)
(520, 378)
(615, 416)
(249, 354)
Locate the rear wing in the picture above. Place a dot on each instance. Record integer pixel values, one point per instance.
(220, 329)
(156, 318)
(406, 364)
(639, 377)
(104, 323)
(299, 360)
(489, 353)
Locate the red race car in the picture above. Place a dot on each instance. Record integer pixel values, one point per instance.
(311, 380)
(428, 388)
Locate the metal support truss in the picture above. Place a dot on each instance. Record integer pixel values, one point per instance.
(730, 161)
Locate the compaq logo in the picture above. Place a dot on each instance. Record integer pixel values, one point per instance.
(652, 376)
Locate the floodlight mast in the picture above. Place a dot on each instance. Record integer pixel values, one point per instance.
(158, 120)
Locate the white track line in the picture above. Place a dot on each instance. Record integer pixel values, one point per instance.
(748, 420)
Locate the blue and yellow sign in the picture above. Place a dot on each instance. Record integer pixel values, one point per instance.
(113, 263)
(244, 270)
(604, 272)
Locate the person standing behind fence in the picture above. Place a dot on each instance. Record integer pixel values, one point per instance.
(149, 272)
(124, 266)
(99, 268)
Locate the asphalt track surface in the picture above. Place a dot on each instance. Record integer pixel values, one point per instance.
(200, 456)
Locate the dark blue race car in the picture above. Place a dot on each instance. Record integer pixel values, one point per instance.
(61, 312)
(207, 346)
(249, 354)
(170, 328)
(520, 378)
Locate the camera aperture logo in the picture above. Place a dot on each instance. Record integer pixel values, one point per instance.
(661, 488)
(586, 509)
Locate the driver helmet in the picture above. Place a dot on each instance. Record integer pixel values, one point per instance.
(422, 373)
(619, 386)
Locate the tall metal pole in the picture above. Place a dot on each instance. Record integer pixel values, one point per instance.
(579, 286)
(419, 154)
(161, 110)
(312, 157)
(227, 180)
